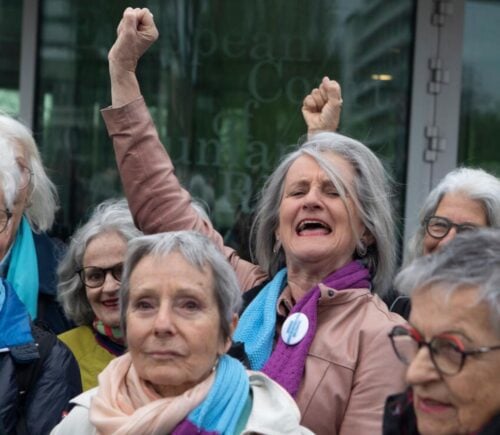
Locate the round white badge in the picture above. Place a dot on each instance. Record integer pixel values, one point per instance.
(295, 328)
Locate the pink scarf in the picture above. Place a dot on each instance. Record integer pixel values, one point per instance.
(126, 404)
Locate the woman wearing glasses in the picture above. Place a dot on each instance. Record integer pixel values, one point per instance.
(464, 200)
(24, 244)
(89, 282)
(38, 374)
(452, 345)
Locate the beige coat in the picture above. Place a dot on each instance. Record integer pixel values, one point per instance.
(350, 368)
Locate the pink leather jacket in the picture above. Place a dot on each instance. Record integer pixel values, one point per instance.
(350, 368)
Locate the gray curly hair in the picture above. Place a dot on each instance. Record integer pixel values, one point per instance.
(109, 216)
(471, 259)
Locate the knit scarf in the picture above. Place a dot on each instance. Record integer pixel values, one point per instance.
(23, 268)
(257, 325)
(114, 333)
(126, 404)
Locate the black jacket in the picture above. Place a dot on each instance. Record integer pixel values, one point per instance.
(57, 381)
(399, 417)
(48, 253)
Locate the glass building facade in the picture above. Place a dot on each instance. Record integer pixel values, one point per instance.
(225, 84)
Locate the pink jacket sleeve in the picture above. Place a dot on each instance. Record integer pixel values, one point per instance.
(157, 200)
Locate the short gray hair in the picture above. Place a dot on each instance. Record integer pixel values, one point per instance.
(198, 251)
(10, 174)
(43, 197)
(477, 184)
(471, 259)
(111, 216)
(371, 196)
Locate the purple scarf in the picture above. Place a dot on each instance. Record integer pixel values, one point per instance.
(287, 362)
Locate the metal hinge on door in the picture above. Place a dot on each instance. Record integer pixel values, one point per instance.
(439, 76)
(442, 9)
(435, 143)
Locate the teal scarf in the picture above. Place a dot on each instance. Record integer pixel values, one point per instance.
(222, 408)
(23, 268)
(257, 325)
(15, 330)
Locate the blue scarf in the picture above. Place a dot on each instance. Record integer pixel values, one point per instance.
(220, 412)
(15, 330)
(23, 268)
(261, 314)
(257, 325)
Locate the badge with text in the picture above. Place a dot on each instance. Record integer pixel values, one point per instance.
(295, 328)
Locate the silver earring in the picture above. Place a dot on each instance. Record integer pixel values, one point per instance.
(361, 249)
(277, 246)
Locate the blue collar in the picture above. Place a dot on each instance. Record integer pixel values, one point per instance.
(15, 328)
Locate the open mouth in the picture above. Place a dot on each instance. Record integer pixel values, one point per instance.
(110, 303)
(313, 227)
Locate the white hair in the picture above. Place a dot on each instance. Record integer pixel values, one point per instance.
(43, 197)
(471, 259)
(10, 174)
(476, 184)
(371, 196)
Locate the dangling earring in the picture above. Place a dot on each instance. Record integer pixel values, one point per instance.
(216, 363)
(277, 246)
(361, 249)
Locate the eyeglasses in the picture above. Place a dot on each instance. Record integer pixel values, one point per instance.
(439, 227)
(27, 176)
(446, 351)
(5, 216)
(95, 276)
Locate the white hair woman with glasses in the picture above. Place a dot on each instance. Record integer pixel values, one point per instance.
(89, 283)
(179, 307)
(466, 199)
(38, 374)
(324, 243)
(24, 245)
(452, 344)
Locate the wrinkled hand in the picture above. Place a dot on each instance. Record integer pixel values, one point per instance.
(135, 34)
(321, 108)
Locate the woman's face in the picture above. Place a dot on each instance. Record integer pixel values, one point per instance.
(105, 251)
(173, 323)
(460, 209)
(461, 403)
(8, 236)
(315, 226)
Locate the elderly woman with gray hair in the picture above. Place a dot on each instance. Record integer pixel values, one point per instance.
(179, 305)
(324, 243)
(89, 283)
(28, 256)
(38, 374)
(466, 199)
(452, 345)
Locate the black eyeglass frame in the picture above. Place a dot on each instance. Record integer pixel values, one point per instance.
(463, 353)
(105, 271)
(459, 227)
(9, 215)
